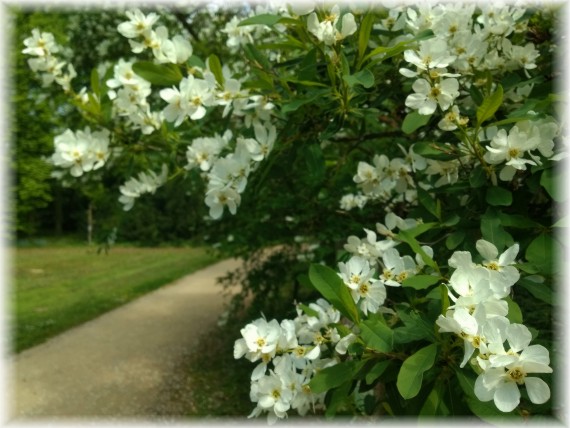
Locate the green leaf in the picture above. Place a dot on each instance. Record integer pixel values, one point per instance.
(264, 19)
(158, 74)
(492, 230)
(538, 289)
(420, 282)
(490, 105)
(310, 312)
(434, 404)
(331, 377)
(455, 239)
(411, 373)
(377, 335)
(413, 121)
(376, 371)
(295, 103)
(406, 237)
(364, 34)
(477, 177)
(315, 162)
(216, 69)
(257, 58)
(515, 313)
(332, 287)
(95, 86)
(388, 52)
(497, 196)
(363, 77)
(420, 228)
(518, 221)
(429, 203)
(476, 95)
(433, 150)
(551, 179)
(540, 253)
(196, 61)
(563, 222)
(337, 397)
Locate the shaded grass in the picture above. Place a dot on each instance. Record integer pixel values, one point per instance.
(58, 287)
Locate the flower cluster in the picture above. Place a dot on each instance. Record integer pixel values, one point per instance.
(509, 148)
(297, 349)
(42, 46)
(129, 93)
(478, 316)
(81, 151)
(139, 30)
(147, 182)
(327, 30)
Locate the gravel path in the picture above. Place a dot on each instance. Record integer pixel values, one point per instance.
(116, 366)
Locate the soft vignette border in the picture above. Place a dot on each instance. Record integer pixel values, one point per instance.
(562, 382)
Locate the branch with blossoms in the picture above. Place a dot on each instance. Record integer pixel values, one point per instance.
(452, 110)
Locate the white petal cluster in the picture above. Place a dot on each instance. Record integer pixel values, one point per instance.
(478, 316)
(42, 46)
(517, 148)
(294, 349)
(81, 151)
(129, 93)
(329, 30)
(139, 30)
(146, 182)
(386, 177)
(190, 99)
(227, 176)
(465, 46)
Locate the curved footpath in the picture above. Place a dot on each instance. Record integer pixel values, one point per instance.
(118, 365)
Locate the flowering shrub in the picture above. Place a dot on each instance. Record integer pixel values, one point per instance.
(432, 129)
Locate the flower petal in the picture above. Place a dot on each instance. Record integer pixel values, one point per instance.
(538, 390)
(507, 397)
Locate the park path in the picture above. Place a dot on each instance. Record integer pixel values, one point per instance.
(118, 365)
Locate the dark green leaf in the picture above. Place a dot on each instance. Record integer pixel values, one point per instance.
(492, 230)
(551, 180)
(363, 77)
(539, 253)
(377, 335)
(158, 74)
(332, 287)
(377, 371)
(477, 177)
(428, 202)
(405, 236)
(334, 376)
(515, 313)
(413, 121)
(216, 69)
(497, 196)
(433, 150)
(264, 19)
(310, 312)
(95, 86)
(411, 373)
(455, 239)
(537, 289)
(518, 221)
(364, 34)
(490, 105)
(420, 228)
(420, 282)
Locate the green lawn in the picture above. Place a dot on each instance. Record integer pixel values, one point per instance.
(58, 287)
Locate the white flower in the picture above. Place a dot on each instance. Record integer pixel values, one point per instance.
(433, 53)
(502, 275)
(355, 272)
(396, 268)
(427, 98)
(147, 182)
(500, 381)
(190, 100)
(138, 23)
(326, 31)
(204, 151)
(40, 44)
(259, 337)
(218, 198)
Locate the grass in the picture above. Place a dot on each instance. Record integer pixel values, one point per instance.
(58, 287)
